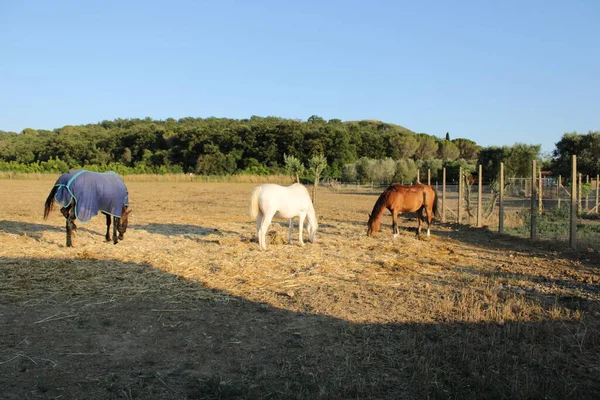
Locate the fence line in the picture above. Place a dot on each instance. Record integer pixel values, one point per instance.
(542, 197)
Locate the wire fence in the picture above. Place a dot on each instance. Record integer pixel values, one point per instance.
(540, 207)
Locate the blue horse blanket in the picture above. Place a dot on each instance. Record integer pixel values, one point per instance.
(92, 192)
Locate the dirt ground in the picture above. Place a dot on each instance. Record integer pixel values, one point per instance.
(188, 307)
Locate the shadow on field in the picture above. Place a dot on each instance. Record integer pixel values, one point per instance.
(180, 229)
(106, 329)
(375, 193)
(487, 239)
(35, 230)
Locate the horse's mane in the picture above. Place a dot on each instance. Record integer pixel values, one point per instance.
(381, 202)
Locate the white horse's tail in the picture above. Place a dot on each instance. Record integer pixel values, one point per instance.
(254, 209)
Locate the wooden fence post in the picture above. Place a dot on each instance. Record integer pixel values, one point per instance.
(533, 232)
(540, 194)
(460, 199)
(573, 228)
(418, 175)
(558, 186)
(597, 192)
(429, 176)
(479, 196)
(501, 207)
(444, 195)
(579, 191)
(587, 194)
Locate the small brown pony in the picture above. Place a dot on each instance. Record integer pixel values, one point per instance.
(400, 199)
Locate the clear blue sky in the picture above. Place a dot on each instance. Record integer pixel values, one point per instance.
(496, 72)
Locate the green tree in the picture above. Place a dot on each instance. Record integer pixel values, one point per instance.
(448, 151)
(468, 148)
(384, 170)
(293, 166)
(517, 160)
(404, 145)
(364, 166)
(519, 157)
(434, 165)
(29, 131)
(585, 146)
(317, 164)
(427, 147)
(349, 173)
(127, 158)
(453, 167)
(490, 159)
(406, 170)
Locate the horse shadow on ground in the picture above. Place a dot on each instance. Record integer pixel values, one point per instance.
(347, 222)
(374, 193)
(36, 231)
(182, 229)
(122, 335)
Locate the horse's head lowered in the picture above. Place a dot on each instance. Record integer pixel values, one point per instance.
(372, 225)
(313, 225)
(312, 229)
(123, 221)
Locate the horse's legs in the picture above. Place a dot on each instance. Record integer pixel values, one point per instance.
(263, 231)
(290, 231)
(259, 220)
(420, 219)
(395, 223)
(116, 221)
(107, 227)
(301, 227)
(429, 218)
(69, 213)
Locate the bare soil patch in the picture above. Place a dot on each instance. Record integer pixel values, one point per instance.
(188, 307)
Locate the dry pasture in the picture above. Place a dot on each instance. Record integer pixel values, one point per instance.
(188, 307)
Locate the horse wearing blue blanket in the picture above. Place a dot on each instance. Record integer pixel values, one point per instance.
(82, 194)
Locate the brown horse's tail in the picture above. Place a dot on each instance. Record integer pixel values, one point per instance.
(50, 202)
(436, 211)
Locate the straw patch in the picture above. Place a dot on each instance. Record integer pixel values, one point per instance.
(187, 306)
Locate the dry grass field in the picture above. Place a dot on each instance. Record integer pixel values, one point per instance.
(188, 307)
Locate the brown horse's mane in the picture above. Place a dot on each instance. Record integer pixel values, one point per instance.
(381, 202)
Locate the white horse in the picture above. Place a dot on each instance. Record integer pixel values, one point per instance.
(288, 201)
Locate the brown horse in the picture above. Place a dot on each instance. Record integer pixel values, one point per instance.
(400, 199)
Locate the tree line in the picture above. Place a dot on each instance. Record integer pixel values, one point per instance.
(259, 145)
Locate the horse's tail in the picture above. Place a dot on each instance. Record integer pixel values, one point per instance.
(254, 208)
(436, 211)
(50, 202)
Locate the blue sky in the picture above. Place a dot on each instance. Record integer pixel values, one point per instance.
(496, 72)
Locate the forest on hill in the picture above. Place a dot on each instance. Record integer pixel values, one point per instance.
(353, 150)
